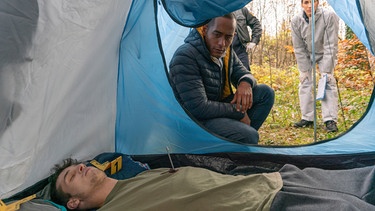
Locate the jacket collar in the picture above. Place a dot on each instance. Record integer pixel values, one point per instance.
(318, 13)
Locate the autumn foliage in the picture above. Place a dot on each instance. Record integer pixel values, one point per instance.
(354, 63)
(277, 68)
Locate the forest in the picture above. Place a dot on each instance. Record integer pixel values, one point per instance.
(273, 63)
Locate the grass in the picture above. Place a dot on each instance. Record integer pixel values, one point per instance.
(355, 88)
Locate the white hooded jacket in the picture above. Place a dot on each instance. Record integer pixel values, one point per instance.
(326, 40)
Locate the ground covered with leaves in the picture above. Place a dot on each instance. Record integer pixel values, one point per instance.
(355, 88)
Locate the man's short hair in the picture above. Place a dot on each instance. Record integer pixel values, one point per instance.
(312, 0)
(229, 15)
(57, 195)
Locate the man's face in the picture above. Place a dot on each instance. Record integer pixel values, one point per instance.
(219, 35)
(306, 6)
(79, 180)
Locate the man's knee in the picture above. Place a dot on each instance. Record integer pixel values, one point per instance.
(271, 92)
(267, 92)
(249, 138)
(304, 77)
(245, 134)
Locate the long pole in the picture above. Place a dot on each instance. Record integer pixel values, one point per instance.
(313, 61)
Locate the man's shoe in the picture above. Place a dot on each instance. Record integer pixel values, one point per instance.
(303, 123)
(331, 126)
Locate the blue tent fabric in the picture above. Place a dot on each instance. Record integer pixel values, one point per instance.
(129, 167)
(189, 13)
(158, 120)
(149, 118)
(354, 18)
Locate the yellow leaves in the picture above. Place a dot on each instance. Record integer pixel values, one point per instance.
(352, 54)
(274, 64)
(289, 49)
(355, 87)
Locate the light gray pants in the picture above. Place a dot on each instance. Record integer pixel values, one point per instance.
(306, 99)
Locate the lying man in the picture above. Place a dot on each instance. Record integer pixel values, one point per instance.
(81, 187)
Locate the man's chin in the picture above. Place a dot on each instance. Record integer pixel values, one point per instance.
(219, 55)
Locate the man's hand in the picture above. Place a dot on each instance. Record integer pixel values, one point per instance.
(243, 98)
(246, 119)
(328, 75)
(250, 46)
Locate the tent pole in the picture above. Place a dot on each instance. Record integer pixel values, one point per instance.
(313, 61)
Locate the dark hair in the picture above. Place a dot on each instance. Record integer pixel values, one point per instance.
(229, 16)
(313, 1)
(57, 195)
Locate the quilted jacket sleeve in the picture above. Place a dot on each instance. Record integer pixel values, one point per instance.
(196, 83)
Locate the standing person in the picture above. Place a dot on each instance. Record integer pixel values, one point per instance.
(243, 44)
(203, 71)
(326, 41)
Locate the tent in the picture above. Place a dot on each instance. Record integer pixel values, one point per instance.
(78, 78)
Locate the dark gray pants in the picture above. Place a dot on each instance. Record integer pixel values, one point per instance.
(240, 50)
(317, 189)
(263, 99)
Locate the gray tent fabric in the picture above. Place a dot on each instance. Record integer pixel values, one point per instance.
(368, 8)
(58, 73)
(16, 41)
